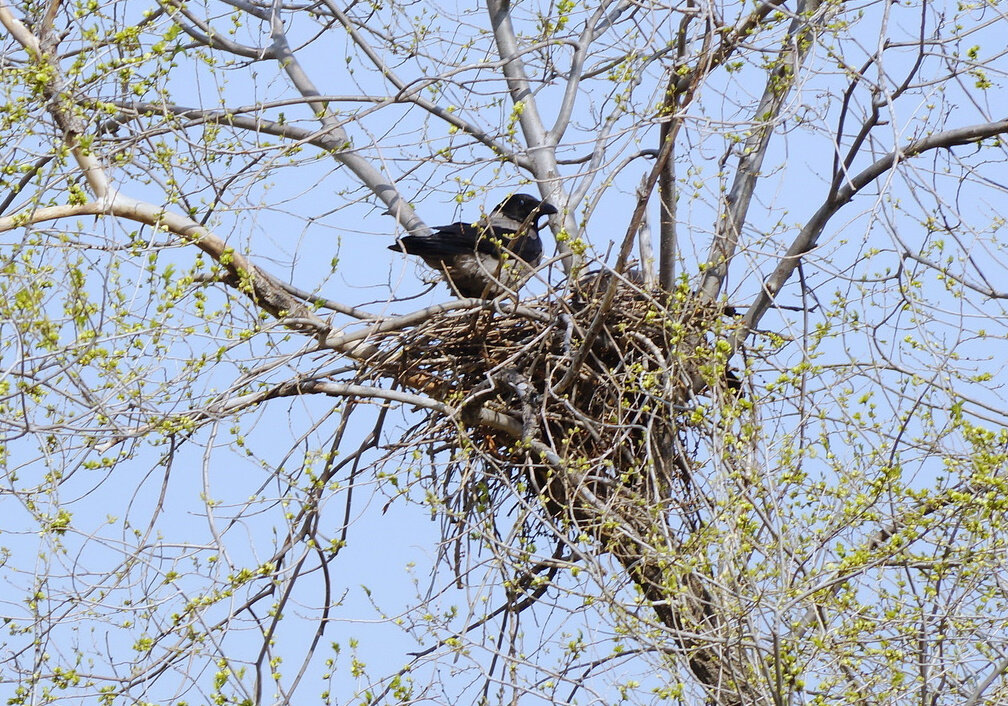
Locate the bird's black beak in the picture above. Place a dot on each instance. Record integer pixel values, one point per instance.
(545, 208)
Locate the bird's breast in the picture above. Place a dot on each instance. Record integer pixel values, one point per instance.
(473, 274)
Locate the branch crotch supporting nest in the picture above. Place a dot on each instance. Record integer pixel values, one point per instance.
(509, 383)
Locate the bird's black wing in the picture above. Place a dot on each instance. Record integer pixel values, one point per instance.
(456, 239)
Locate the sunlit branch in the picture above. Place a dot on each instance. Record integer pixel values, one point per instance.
(205, 34)
(541, 145)
(644, 247)
(261, 287)
(581, 48)
(59, 107)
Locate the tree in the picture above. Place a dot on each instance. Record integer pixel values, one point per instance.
(767, 469)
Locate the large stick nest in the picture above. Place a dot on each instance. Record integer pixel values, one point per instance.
(606, 375)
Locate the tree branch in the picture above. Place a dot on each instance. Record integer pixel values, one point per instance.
(541, 145)
(380, 185)
(584, 42)
(207, 36)
(778, 86)
(809, 235)
(58, 102)
(412, 95)
(262, 288)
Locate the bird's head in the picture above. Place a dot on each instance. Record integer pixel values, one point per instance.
(525, 208)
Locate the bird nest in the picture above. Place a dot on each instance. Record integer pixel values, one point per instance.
(608, 377)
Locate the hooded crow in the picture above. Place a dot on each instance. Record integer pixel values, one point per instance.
(479, 259)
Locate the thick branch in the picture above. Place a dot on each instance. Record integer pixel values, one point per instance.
(541, 145)
(668, 195)
(574, 75)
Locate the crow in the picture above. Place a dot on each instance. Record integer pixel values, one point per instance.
(479, 259)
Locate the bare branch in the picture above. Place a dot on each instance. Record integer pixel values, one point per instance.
(591, 27)
(412, 93)
(541, 145)
(204, 33)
